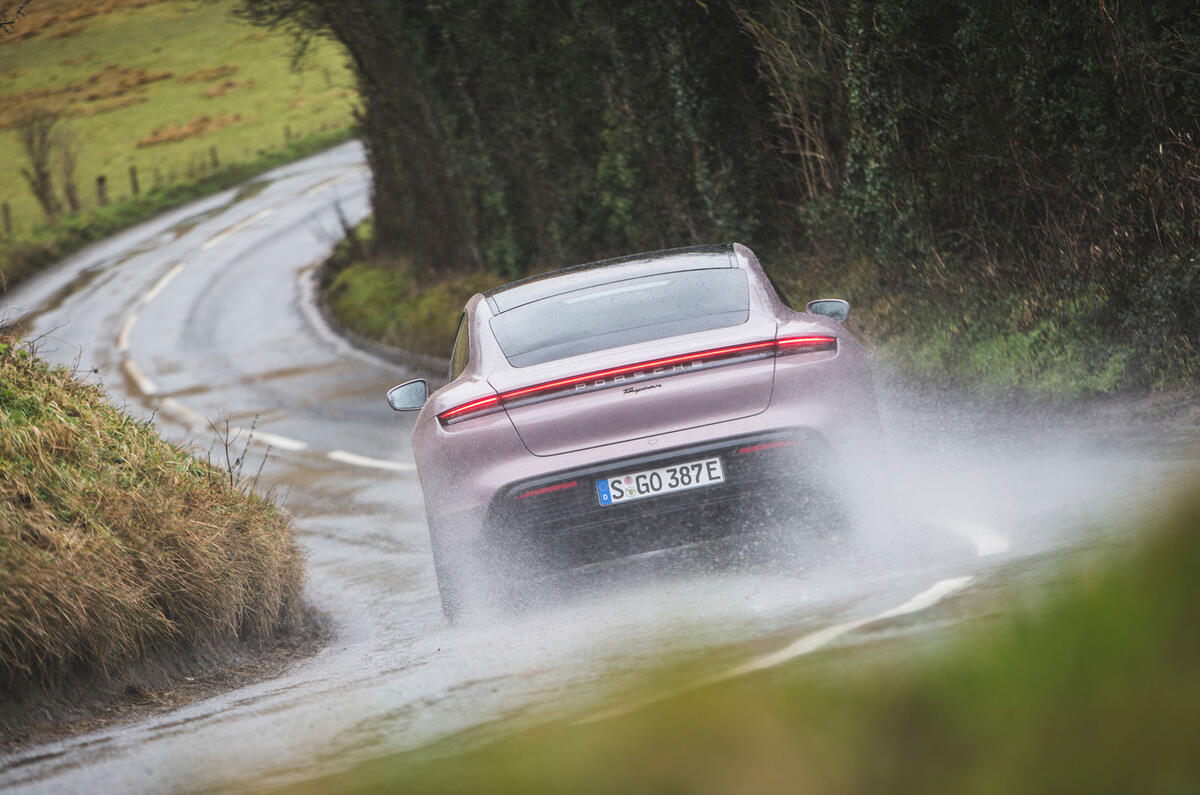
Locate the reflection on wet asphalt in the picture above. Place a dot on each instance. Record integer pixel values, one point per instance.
(227, 338)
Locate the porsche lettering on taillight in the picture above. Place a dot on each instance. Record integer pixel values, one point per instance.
(641, 371)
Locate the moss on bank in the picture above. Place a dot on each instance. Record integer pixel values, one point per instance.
(116, 546)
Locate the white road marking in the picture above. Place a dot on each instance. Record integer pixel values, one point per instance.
(195, 420)
(126, 330)
(354, 459)
(190, 418)
(127, 326)
(816, 640)
(308, 303)
(986, 541)
(239, 226)
(272, 439)
(329, 183)
(161, 283)
(143, 384)
(806, 644)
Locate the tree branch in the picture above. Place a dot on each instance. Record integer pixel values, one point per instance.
(6, 21)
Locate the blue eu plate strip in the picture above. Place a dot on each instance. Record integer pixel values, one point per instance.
(603, 492)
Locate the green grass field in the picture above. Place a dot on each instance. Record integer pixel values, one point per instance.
(158, 86)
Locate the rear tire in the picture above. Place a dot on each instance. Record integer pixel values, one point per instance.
(469, 579)
(448, 576)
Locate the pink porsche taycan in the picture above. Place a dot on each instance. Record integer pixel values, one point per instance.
(631, 405)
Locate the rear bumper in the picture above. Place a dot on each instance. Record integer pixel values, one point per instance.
(544, 524)
(469, 471)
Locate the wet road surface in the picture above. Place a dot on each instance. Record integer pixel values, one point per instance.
(205, 315)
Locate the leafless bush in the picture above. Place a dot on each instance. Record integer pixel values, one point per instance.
(48, 143)
(35, 128)
(68, 156)
(229, 438)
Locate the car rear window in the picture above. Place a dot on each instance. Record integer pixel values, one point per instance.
(622, 313)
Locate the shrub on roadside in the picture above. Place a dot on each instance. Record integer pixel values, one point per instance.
(117, 546)
(1002, 151)
(386, 300)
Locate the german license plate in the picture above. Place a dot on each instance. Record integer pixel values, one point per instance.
(664, 480)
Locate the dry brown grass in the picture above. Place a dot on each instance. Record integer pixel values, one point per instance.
(106, 105)
(67, 31)
(117, 546)
(200, 125)
(56, 17)
(210, 74)
(226, 87)
(78, 60)
(114, 80)
(85, 97)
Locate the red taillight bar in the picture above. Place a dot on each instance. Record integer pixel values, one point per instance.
(754, 448)
(633, 368)
(807, 344)
(474, 405)
(782, 345)
(547, 489)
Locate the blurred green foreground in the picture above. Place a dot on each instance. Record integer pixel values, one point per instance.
(1097, 690)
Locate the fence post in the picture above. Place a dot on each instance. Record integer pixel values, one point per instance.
(102, 190)
(216, 163)
(133, 183)
(287, 133)
(7, 221)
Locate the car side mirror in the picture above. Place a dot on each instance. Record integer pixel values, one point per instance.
(409, 396)
(834, 308)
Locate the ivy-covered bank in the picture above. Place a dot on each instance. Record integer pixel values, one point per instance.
(1006, 192)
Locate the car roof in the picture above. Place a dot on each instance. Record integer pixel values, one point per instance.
(543, 285)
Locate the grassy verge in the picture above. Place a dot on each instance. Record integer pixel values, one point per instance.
(986, 339)
(1047, 347)
(1097, 691)
(191, 98)
(117, 547)
(387, 300)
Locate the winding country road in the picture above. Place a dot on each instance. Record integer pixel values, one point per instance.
(206, 315)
